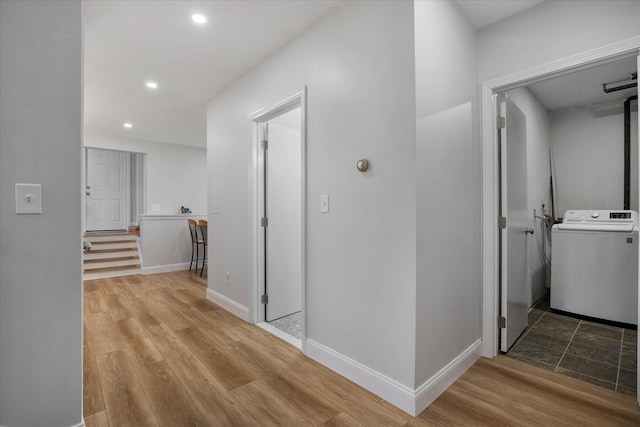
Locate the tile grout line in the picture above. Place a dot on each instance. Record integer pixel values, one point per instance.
(568, 345)
(620, 358)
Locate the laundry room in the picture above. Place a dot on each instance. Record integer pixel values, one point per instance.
(579, 235)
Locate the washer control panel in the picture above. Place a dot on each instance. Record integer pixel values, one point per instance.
(601, 217)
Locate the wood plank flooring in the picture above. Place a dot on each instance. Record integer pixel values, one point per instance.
(157, 353)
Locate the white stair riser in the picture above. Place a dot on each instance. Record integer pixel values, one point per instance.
(108, 255)
(108, 264)
(114, 273)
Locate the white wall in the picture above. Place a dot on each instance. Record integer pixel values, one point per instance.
(554, 30)
(538, 185)
(448, 187)
(588, 153)
(176, 175)
(358, 67)
(40, 255)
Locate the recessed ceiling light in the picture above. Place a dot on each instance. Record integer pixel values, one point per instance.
(151, 85)
(128, 125)
(199, 19)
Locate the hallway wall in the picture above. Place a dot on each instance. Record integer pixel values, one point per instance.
(40, 255)
(358, 67)
(553, 30)
(448, 187)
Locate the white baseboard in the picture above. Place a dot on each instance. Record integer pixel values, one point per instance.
(389, 389)
(411, 401)
(167, 268)
(228, 304)
(442, 380)
(81, 424)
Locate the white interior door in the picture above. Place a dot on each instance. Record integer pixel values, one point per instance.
(283, 208)
(106, 192)
(513, 207)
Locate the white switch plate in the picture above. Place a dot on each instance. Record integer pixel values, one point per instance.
(28, 199)
(214, 207)
(324, 203)
(155, 207)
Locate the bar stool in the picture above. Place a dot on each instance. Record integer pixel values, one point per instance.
(202, 226)
(195, 243)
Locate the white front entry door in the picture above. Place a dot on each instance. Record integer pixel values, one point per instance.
(106, 192)
(513, 182)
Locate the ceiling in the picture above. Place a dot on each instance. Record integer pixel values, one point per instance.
(486, 12)
(130, 42)
(584, 88)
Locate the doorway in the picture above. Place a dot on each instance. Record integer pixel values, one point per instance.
(492, 298)
(114, 189)
(280, 219)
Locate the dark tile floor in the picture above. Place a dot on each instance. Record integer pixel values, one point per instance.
(599, 354)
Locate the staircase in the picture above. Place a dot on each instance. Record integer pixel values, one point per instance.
(112, 254)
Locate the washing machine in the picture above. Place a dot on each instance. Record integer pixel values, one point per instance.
(594, 264)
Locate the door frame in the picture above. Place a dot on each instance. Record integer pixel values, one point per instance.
(85, 171)
(256, 194)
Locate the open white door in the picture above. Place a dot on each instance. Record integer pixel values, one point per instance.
(283, 201)
(513, 238)
(106, 192)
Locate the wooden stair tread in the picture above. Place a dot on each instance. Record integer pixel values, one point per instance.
(104, 251)
(122, 258)
(108, 242)
(106, 269)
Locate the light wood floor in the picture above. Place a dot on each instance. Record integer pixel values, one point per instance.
(156, 352)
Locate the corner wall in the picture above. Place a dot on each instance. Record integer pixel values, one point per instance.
(588, 152)
(40, 255)
(448, 301)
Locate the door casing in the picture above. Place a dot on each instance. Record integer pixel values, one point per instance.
(256, 205)
(490, 194)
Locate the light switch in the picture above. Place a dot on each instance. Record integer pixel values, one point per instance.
(324, 203)
(28, 199)
(155, 207)
(214, 207)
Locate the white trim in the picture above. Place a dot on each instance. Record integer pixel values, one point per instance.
(489, 167)
(150, 217)
(387, 388)
(297, 343)
(256, 274)
(442, 380)
(166, 268)
(80, 424)
(228, 304)
(411, 401)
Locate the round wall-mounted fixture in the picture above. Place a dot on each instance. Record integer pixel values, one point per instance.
(362, 165)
